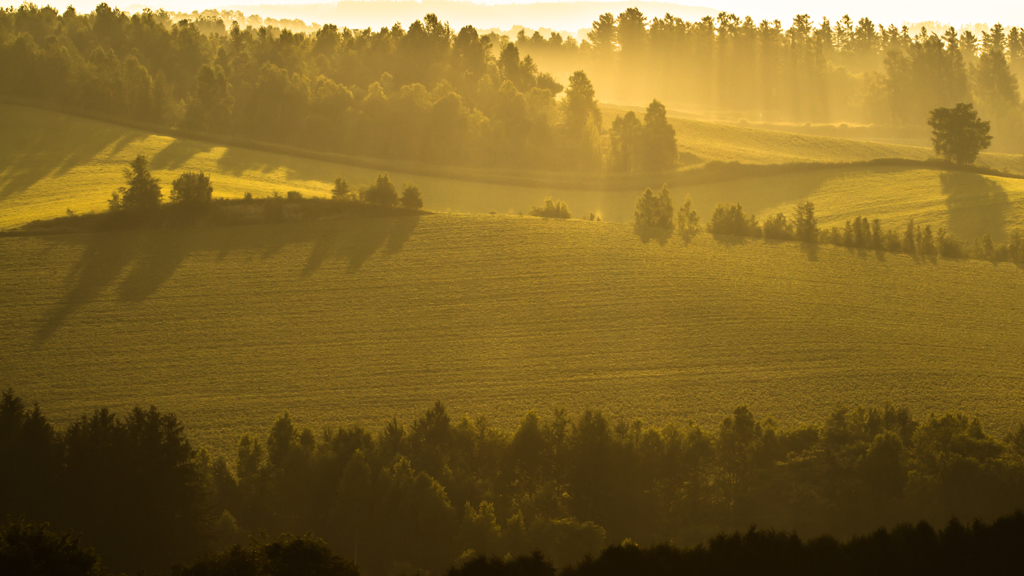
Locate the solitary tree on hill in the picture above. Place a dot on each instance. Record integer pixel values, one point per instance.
(958, 134)
(142, 192)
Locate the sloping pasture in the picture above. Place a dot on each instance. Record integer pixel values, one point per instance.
(350, 320)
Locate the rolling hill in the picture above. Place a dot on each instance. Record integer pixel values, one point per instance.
(52, 162)
(360, 320)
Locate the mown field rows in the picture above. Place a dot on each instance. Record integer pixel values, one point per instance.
(364, 320)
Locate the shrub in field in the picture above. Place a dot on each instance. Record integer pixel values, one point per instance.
(191, 189)
(341, 190)
(688, 221)
(142, 191)
(730, 219)
(806, 223)
(777, 227)
(654, 211)
(551, 209)
(411, 197)
(381, 193)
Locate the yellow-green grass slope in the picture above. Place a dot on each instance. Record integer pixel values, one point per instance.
(968, 205)
(363, 320)
(51, 162)
(751, 145)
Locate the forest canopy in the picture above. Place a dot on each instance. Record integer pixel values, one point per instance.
(420, 494)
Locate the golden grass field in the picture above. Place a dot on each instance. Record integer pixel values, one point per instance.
(51, 162)
(362, 320)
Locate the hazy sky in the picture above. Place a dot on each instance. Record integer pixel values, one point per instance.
(956, 12)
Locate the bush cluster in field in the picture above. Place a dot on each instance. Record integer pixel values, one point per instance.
(419, 495)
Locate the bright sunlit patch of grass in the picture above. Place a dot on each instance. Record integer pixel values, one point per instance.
(967, 205)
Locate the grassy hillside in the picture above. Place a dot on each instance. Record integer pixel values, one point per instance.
(968, 205)
(361, 320)
(755, 145)
(53, 162)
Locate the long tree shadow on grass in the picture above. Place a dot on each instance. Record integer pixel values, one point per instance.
(103, 258)
(32, 154)
(357, 239)
(151, 257)
(976, 205)
(177, 153)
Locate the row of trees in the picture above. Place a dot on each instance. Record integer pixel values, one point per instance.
(142, 193)
(193, 191)
(418, 495)
(863, 233)
(842, 71)
(654, 213)
(424, 93)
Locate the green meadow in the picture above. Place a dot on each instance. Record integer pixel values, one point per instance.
(362, 320)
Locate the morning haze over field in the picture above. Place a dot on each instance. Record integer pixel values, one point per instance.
(535, 289)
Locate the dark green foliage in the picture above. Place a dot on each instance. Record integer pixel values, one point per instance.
(806, 222)
(418, 496)
(534, 565)
(191, 189)
(124, 483)
(658, 140)
(305, 556)
(777, 227)
(654, 211)
(688, 222)
(421, 93)
(381, 193)
(551, 209)
(142, 193)
(581, 124)
(341, 190)
(411, 197)
(28, 550)
(730, 219)
(958, 134)
(918, 549)
(626, 138)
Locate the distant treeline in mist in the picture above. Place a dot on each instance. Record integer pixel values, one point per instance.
(419, 495)
(841, 71)
(424, 93)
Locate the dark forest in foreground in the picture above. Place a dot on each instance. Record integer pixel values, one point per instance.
(420, 495)
(956, 549)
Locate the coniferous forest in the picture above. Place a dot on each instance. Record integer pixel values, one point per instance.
(421, 495)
